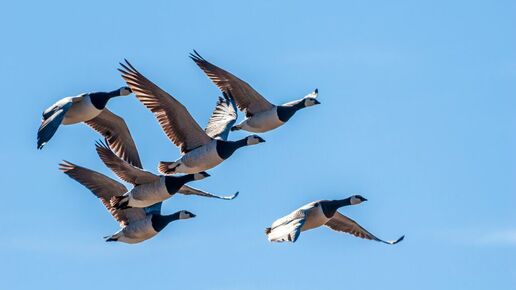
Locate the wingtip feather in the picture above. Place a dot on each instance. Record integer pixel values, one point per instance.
(397, 241)
(233, 196)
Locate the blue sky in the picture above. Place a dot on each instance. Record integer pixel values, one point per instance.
(417, 115)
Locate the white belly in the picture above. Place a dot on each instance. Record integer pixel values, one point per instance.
(138, 231)
(200, 159)
(262, 122)
(81, 111)
(148, 194)
(315, 218)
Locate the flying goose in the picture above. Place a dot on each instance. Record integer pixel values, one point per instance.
(201, 151)
(90, 108)
(262, 116)
(137, 224)
(148, 187)
(316, 214)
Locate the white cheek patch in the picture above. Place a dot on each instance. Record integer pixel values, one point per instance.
(310, 102)
(252, 141)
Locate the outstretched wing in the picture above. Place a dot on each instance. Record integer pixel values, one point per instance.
(342, 223)
(287, 228)
(52, 118)
(247, 99)
(122, 169)
(104, 188)
(117, 135)
(175, 120)
(187, 190)
(223, 117)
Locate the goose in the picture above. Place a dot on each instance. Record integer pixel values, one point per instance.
(202, 150)
(149, 188)
(316, 214)
(261, 115)
(136, 224)
(90, 108)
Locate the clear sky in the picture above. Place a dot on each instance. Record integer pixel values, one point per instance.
(417, 115)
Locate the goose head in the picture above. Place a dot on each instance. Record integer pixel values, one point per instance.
(308, 102)
(310, 99)
(357, 199)
(124, 91)
(184, 215)
(254, 139)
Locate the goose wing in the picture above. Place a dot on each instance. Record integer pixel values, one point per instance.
(247, 98)
(52, 118)
(342, 223)
(175, 120)
(117, 135)
(104, 188)
(187, 190)
(223, 117)
(123, 169)
(287, 228)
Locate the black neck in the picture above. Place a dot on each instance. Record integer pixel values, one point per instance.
(342, 202)
(226, 148)
(299, 105)
(159, 222)
(286, 112)
(330, 207)
(174, 183)
(100, 99)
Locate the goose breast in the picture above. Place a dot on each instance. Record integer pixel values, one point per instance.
(81, 110)
(263, 121)
(138, 231)
(149, 193)
(202, 158)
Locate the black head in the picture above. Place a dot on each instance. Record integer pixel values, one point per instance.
(184, 214)
(254, 139)
(308, 102)
(124, 91)
(357, 199)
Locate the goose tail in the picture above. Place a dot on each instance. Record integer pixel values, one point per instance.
(166, 167)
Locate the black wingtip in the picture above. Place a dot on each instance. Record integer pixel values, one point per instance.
(195, 56)
(227, 95)
(101, 144)
(398, 240)
(316, 90)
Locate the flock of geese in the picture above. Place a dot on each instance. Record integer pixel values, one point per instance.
(138, 211)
